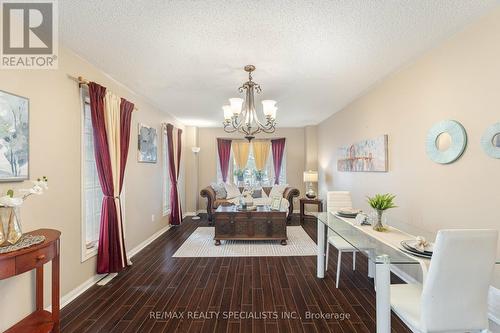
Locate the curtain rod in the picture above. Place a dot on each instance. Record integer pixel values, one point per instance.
(83, 81)
(256, 139)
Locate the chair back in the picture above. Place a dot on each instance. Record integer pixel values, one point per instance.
(336, 200)
(455, 292)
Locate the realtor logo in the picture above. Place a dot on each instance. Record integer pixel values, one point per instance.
(29, 34)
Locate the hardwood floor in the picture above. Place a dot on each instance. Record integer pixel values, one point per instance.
(164, 294)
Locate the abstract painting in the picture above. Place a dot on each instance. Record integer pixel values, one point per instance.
(14, 137)
(364, 156)
(147, 144)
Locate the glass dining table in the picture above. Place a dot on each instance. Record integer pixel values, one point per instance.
(382, 250)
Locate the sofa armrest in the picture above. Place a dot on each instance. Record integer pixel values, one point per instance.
(209, 193)
(289, 194)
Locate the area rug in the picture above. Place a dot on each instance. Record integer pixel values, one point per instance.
(201, 244)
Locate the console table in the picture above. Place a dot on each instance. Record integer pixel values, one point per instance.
(34, 257)
(260, 224)
(306, 201)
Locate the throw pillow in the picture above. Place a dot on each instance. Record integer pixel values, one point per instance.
(277, 190)
(220, 190)
(232, 191)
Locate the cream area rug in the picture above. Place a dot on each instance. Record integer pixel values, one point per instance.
(201, 244)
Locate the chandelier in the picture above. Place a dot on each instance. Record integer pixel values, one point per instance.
(240, 114)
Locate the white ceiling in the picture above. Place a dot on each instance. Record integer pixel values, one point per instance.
(313, 57)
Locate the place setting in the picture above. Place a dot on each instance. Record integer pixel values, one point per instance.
(418, 247)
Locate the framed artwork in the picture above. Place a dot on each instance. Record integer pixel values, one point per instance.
(148, 147)
(364, 156)
(14, 137)
(276, 203)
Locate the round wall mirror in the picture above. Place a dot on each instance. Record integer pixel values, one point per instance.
(491, 141)
(446, 141)
(443, 141)
(496, 140)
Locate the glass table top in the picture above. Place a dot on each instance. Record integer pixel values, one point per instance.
(377, 246)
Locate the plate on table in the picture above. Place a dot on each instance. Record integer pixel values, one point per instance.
(410, 246)
(416, 254)
(348, 212)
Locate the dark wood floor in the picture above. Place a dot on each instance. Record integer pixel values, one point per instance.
(199, 288)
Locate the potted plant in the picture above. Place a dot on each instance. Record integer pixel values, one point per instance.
(259, 175)
(10, 220)
(381, 202)
(239, 174)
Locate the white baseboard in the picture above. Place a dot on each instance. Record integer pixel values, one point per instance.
(67, 298)
(403, 275)
(202, 211)
(148, 241)
(189, 214)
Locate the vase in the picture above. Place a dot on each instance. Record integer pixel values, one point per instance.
(379, 226)
(10, 225)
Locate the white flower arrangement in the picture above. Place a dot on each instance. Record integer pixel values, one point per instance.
(39, 186)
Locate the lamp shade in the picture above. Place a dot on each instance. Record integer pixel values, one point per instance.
(236, 104)
(310, 176)
(227, 112)
(268, 106)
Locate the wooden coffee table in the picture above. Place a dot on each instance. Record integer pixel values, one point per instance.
(260, 224)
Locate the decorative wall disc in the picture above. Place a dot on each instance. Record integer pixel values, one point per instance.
(491, 141)
(457, 137)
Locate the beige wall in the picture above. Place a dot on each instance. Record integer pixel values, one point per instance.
(458, 80)
(55, 132)
(295, 156)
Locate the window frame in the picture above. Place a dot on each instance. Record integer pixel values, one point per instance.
(86, 253)
(269, 168)
(166, 183)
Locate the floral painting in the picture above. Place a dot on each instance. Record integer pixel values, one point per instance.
(364, 156)
(147, 144)
(14, 137)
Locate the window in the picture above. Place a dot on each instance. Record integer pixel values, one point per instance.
(166, 175)
(92, 193)
(250, 175)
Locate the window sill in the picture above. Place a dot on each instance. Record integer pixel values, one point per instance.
(89, 253)
(166, 212)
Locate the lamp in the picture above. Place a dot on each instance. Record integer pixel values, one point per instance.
(309, 178)
(196, 150)
(240, 115)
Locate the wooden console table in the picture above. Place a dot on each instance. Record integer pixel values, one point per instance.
(306, 201)
(34, 257)
(260, 224)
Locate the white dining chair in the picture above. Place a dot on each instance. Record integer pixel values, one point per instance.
(454, 295)
(335, 201)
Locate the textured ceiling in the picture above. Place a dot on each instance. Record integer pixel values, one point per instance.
(313, 57)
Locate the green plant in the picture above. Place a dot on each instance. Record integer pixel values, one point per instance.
(259, 174)
(239, 173)
(382, 202)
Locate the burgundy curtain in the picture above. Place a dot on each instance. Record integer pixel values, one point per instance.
(224, 148)
(111, 255)
(278, 148)
(126, 109)
(174, 150)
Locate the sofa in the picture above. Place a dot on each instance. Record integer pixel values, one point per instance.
(212, 203)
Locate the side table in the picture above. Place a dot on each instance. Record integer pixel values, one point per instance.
(307, 201)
